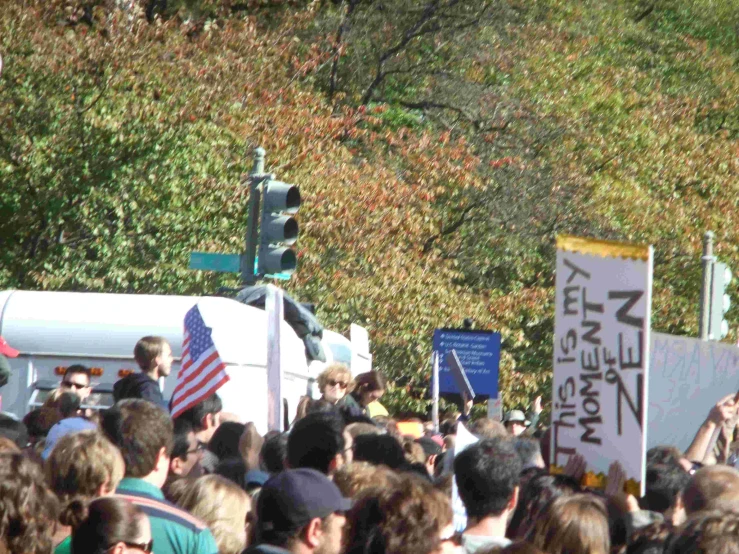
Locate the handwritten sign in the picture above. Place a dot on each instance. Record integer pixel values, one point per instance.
(687, 377)
(601, 357)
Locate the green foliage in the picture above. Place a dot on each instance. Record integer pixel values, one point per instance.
(440, 148)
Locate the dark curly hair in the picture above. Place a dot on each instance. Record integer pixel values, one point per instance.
(408, 516)
(28, 510)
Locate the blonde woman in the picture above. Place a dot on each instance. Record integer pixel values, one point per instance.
(82, 466)
(224, 508)
(335, 382)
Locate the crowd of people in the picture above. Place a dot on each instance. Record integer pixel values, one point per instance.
(345, 478)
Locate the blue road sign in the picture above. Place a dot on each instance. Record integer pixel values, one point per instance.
(479, 354)
(209, 261)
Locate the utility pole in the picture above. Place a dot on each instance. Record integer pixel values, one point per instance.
(252, 228)
(705, 306)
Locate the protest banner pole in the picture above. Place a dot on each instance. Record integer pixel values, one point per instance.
(274, 307)
(435, 390)
(705, 306)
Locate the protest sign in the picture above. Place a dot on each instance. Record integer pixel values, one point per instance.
(479, 354)
(361, 357)
(464, 440)
(687, 377)
(274, 307)
(601, 357)
(495, 408)
(460, 378)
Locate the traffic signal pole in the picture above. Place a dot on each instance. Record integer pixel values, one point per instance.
(705, 305)
(252, 228)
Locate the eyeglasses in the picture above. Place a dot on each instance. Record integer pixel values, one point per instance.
(332, 383)
(77, 386)
(199, 448)
(147, 547)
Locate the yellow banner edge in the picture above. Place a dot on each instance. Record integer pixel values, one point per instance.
(603, 248)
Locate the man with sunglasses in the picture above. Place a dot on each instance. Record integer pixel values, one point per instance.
(77, 380)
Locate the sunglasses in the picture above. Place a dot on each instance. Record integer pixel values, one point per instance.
(77, 386)
(147, 547)
(332, 383)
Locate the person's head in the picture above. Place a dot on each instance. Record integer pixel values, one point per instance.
(39, 421)
(77, 380)
(487, 428)
(357, 477)
(576, 524)
(707, 532)
(68, 404)
(113, 525)
(379, 450)
(14, 430)
(534, 496)
(28, 510)
(318, 441)
(487, 476)
(143, 432)
(301, 509)
(369, 387)
(205, 417)
(356, 429)
(335, 382)
(82, 466)
(154, 356)
(664, 484)
(274, 452)
(223, 507)
(516, 422)
(711, 487)
(225, 441)
(187, 450)
(650, 539)
(408, 516)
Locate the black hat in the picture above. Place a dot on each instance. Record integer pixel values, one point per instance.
(292, 498)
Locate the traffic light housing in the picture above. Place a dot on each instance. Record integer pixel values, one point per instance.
(720, 301)
(278, 229)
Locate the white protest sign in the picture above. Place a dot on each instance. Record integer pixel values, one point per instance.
(274, 306)
(687, 377)
(361, 357)
(463, 440)
(495, 407)
(601, 357)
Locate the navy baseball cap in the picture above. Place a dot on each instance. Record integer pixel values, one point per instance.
(290, 499)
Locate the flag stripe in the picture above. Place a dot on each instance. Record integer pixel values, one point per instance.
(201, 377)
(209, 356)
(190, 401)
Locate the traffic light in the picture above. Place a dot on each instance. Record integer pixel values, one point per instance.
(278, 229)
(720, 301)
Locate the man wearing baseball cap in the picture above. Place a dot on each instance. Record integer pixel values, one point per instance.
(5, 352)
(300, 511)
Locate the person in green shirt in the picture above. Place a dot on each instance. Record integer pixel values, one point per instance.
(143, 433)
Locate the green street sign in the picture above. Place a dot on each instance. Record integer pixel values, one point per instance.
(209, 261)
(226, 263)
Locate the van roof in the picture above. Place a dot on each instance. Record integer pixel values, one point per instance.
(102, 325)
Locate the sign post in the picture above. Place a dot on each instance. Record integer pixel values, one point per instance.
(601, 357)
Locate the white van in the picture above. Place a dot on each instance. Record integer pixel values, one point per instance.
(53, 330)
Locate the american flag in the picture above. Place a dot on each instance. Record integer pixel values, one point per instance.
(202, 372)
